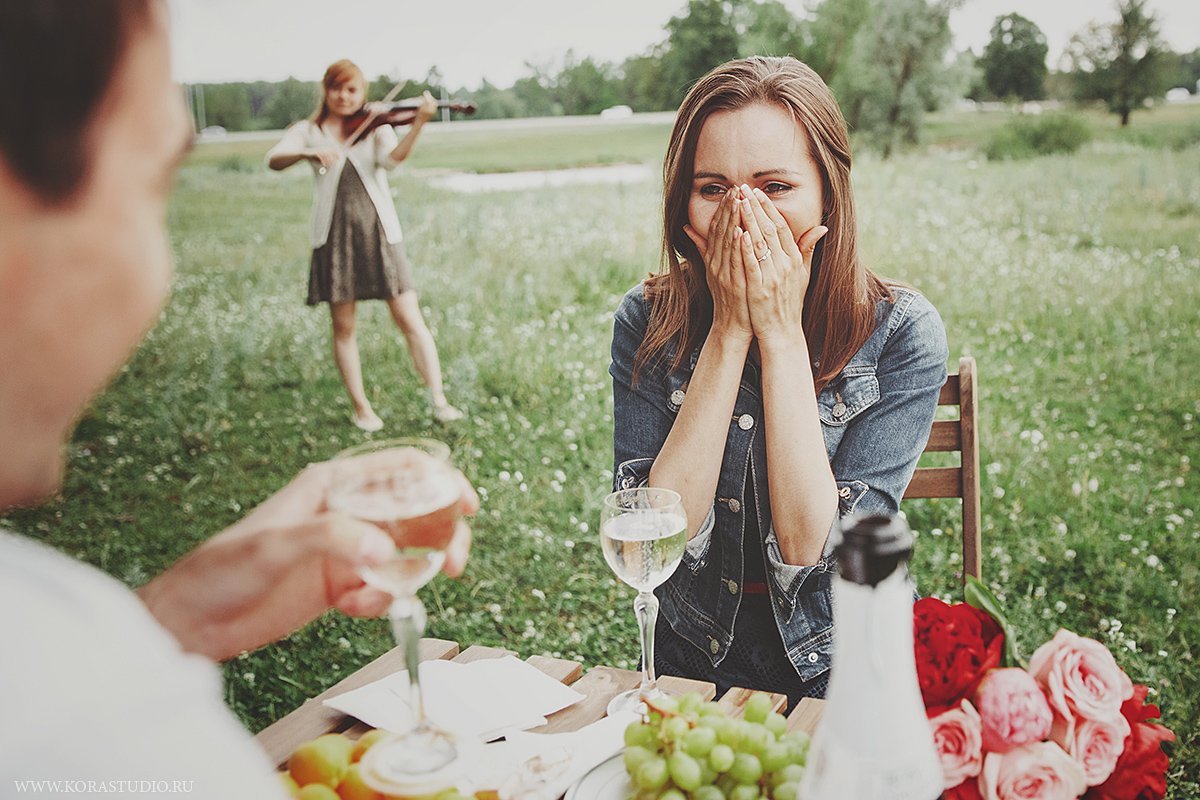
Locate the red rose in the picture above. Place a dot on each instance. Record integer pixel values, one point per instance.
(1141, 771)
(955, 646)
(967, 790)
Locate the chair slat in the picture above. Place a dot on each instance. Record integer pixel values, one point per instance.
(935, 482)
(945, 437)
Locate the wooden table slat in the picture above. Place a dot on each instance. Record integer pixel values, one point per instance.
(806, 715)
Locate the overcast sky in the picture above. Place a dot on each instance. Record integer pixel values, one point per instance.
(219, 41)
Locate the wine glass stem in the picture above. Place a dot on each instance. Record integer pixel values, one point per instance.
(646, 609)
(408, 623)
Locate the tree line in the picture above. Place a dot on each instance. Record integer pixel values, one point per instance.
(887, 61)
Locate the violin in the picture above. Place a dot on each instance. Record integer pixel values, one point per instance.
(399, 112)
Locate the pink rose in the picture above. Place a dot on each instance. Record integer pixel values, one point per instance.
(959, 743)
(1096, 746)
(1081, 679)
(1012, 709)
(1037, 771)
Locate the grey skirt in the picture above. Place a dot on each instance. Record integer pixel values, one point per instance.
(356, 262)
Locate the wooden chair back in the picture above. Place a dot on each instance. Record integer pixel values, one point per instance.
(959, 435)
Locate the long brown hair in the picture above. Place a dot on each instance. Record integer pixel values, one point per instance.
(339, 72)
(839, 306)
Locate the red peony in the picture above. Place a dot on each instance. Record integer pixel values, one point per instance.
(1141, 771)
(955, 646)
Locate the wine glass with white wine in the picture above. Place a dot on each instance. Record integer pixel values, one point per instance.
(643, 532)
(409, 488)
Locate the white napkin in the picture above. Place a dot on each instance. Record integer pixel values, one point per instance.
(485, 698)
(542, 766)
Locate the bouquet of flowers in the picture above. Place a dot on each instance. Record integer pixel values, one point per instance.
(1069, 723)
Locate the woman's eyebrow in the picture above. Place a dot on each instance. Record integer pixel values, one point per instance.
(705, 176)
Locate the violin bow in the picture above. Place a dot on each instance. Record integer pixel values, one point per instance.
(370, 116)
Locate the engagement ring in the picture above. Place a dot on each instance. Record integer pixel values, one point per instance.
(764, 256)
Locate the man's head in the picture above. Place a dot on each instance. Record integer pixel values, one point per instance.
(91, 132)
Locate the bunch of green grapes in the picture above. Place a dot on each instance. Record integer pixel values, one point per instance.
(688, 749)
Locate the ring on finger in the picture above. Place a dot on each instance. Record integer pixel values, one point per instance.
(764, 256)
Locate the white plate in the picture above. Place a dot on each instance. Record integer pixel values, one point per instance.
(608, 780)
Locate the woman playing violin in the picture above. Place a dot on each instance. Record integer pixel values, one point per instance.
(358, 253)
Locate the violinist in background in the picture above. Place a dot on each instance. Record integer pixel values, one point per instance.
(358, 253)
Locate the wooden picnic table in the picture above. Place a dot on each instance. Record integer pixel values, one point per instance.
(598, 686)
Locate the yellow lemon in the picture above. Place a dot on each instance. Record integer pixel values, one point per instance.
(365, 741)
(323, 760)
(353, 788)
(316, 791)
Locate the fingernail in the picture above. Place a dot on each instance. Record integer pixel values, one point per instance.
(375, 548)
(760, 194)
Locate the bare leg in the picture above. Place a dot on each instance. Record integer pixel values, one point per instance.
(345, 355)
(406, 313)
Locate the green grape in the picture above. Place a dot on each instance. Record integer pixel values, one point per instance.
(792, 773)
(757, 708)
(744, 792)
(707, 773)
(775, 756)
(755, 737)
(787, 791)
(699, 741)
(672, 794)
(711, 708)
(721, 757)
(708, 793)
(685, 771)
(635, 756)
(729, 731)
(639, 733)
(654, 718)
(746, 768)
(674, 728)
(651, 773)
(667, 703)
(690, 704)
(726, 784)
(776, 723)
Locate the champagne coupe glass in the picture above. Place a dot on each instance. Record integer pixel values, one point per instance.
(643, 532)
(409, 489)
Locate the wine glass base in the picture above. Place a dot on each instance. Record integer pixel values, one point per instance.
(419, 762)
(633, 701)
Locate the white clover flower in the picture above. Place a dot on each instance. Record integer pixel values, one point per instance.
(1069, 555)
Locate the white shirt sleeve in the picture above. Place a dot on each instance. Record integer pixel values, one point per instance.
(96, 695)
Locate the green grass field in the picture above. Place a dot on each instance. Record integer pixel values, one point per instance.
(1074, 282)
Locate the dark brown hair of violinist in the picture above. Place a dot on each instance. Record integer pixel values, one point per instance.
(839, 306)
(58, 58)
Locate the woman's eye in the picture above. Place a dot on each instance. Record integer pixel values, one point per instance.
(712, 190)
(776, 188)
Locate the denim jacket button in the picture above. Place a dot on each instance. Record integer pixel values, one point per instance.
(713, 646)
(734, 505)
(745, 422)
(677, 397)
(839, 409)
(733, 587)
(812, 658)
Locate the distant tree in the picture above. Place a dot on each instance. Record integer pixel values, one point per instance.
(379, 88)
(227, 105)
(1014, 61)
(1122, 64)
(492, 102)
(897, 70)
(768, 28)
(586, 87)
(292, 100)
(1187, 71)
(833, 30)
(643, 86)
(698, 40)
(259, 94)
(536, 93)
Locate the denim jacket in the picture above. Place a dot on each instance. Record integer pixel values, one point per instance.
(876, 417)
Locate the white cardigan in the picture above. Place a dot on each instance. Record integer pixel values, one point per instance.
(371, 157)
